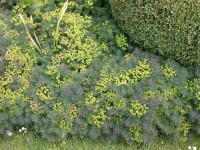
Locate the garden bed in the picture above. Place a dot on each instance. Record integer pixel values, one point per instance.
(74, 73)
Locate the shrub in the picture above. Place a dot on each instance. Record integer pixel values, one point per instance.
(169, 28)
(86, 86)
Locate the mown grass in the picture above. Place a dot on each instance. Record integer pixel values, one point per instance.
(34, 142)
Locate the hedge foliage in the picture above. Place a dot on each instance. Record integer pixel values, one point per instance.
(88, 86)
(170, 28)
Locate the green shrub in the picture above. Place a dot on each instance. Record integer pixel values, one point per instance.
(170, 28)
(86, 86)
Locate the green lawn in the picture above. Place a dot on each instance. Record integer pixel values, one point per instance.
(32, 142)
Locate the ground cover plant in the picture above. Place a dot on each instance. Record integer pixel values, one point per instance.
(83, 78)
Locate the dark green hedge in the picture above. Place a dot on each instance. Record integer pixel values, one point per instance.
(170, 28)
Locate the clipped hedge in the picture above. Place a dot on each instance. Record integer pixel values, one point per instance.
(170, 28)
(86, 86)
